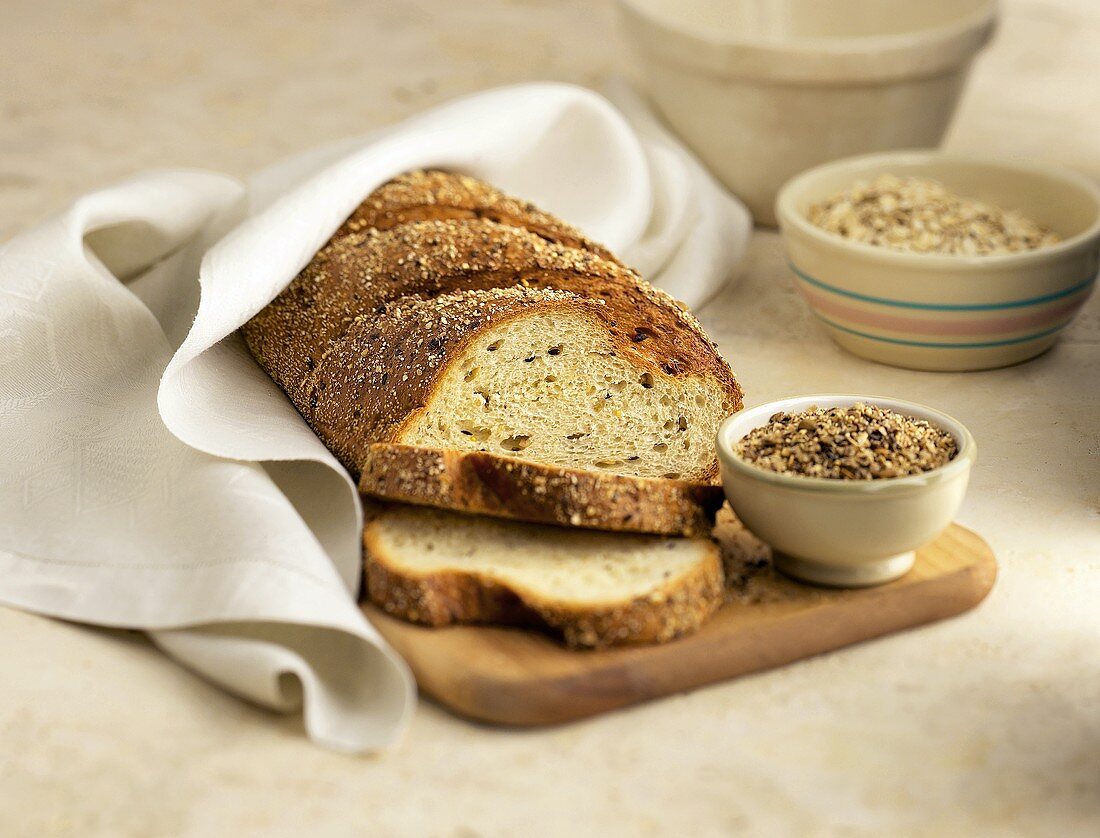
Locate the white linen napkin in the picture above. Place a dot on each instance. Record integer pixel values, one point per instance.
(131, 487)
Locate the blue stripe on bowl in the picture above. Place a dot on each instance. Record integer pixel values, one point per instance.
(944, 307)
(934, 345)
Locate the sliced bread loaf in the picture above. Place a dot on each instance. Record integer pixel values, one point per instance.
(507, 487)
(363, 274)
(396, 308)
(595, 589)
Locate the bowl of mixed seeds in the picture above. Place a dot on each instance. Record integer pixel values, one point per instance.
(845, 488)
(936, 261)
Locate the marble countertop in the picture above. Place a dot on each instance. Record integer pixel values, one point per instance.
(985, 724)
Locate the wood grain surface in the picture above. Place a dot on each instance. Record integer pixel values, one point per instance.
(522, 677)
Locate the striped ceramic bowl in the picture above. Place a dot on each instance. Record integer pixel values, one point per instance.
(934, 312)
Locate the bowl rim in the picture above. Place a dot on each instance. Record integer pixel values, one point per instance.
(788, 216)
(917, 39)
(758, 416)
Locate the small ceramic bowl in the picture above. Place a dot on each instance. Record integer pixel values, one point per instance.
(844, 533)
(762, 90)
(941, 312)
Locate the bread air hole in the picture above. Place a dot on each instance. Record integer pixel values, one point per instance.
(476, 431)
(646, 380)
(471, 374)
(671, 475)
(660, 448)
(515, 443)
(554, 350)
(495, 345)
(578, 435)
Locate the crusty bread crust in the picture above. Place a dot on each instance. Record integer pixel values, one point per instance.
(676, 608)
(363, 274)
(377, 380)
(344, 279)
(507, 487)
(437, 195)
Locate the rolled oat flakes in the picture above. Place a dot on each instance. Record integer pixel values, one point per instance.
(922, 216)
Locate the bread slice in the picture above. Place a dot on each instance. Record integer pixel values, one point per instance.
(507, 487)
(595, 589)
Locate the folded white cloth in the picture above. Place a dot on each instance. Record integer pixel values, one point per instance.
(131, 486)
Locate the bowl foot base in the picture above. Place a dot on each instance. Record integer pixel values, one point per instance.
(846, 576)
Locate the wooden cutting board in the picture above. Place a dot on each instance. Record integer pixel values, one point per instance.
(522, 677)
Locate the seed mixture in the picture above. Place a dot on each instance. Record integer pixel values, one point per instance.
(922, 216)
(862, 442)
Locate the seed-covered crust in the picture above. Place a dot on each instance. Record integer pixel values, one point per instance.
(342, 281)
(382, 373)
(508, 487)
(674, 609)
(364, 272)
(436, 195)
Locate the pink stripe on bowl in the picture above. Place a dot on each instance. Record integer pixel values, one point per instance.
(988, 324)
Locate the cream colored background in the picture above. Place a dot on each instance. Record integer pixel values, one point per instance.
(987, 724)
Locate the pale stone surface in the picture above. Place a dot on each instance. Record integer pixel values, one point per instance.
(986, 724)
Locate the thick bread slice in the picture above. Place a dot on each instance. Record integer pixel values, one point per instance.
(506, 487)
(596, 589)
(511, 370)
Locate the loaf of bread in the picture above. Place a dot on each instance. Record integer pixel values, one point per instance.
(446, 314)
(594, 589)
(483, 483)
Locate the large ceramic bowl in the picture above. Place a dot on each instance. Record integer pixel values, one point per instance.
(762, 89)
(938, 312)
(848, 533)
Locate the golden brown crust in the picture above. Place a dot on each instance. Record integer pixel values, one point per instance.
(363, 273)
(436, 195)
(339, 283)
(507, 487)
(679, 607)
(381, 375)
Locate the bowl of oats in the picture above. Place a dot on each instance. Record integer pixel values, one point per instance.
(937, 261)
(845, 488)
